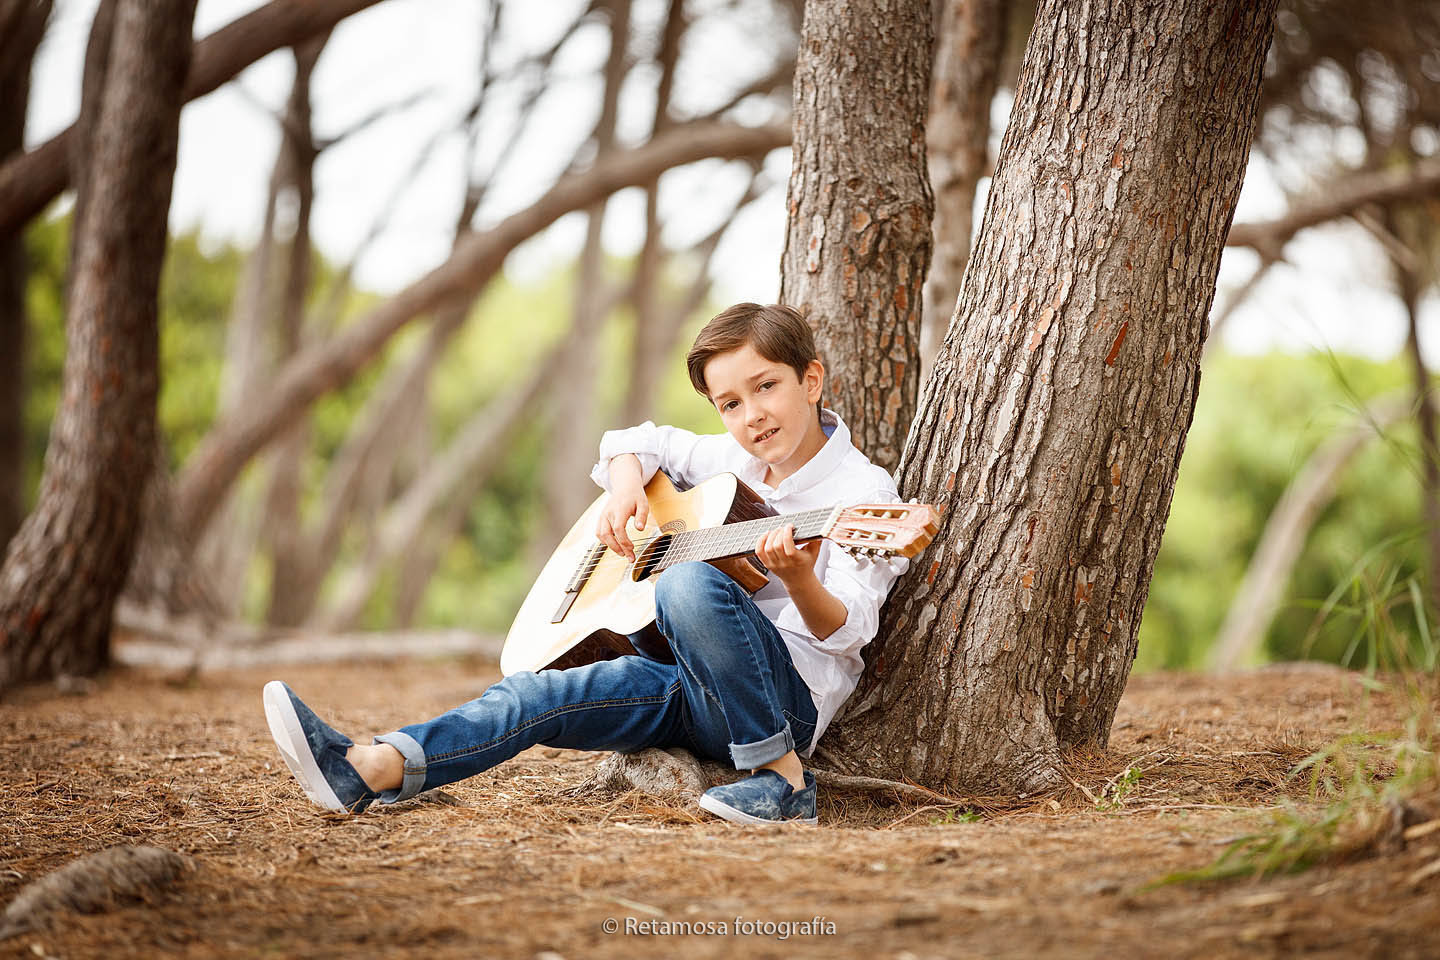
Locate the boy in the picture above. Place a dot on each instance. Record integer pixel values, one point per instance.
(756, 680)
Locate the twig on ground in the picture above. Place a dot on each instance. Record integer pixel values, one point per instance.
(845, 781)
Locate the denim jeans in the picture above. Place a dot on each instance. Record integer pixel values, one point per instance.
(732, 694)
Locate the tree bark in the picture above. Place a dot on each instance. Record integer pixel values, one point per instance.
(969, 42)
(32, 180)
(69, 560)
(1051, 430)
(229, 446)
(22, 24)
(858, 242)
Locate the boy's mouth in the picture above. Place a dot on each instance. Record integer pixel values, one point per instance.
(767, 435)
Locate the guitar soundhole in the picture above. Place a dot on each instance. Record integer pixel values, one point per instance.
(650, 557)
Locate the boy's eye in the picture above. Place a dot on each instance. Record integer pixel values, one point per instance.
(726, 405)
(767, 384)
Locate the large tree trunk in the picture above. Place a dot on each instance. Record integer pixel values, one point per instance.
(858, 243)
(69, 560)
(1051, 430)
(969, 41)
(22, 24)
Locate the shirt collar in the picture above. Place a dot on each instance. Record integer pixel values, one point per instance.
(817, 468)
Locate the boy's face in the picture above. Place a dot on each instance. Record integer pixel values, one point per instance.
(766, 407)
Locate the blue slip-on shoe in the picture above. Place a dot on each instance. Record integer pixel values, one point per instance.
(314, 752)
(765, 797)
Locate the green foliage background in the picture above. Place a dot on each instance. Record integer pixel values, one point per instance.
(1257, 420)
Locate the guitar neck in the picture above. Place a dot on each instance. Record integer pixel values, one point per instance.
(739, 539)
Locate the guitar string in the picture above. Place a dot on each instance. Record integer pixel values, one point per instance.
(694, 544)
(733, 537)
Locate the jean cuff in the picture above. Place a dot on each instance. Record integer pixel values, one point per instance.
(414, 756)
(748, 756)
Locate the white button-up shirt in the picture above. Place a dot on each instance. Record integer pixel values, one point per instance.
(838, 474)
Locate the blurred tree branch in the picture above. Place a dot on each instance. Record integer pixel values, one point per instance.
(1341, 198)
(216, 462)
(33, 179)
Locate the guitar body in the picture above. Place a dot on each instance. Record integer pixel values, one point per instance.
(613, 613)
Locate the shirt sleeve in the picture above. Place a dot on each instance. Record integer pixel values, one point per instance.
(687, 457)
(861, 586)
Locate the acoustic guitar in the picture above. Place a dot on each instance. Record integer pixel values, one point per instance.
(590, 603)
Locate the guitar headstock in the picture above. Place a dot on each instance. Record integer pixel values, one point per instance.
(883, 531)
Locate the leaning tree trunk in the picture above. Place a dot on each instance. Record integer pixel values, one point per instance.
(1051, 430)
(69, 560)
(22, 24)
(858, 243)
(289, 597)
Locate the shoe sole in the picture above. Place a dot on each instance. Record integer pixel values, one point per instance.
(722, 809)
(294, 747)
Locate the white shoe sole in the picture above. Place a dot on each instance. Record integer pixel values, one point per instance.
(294, 747)
(727, 812)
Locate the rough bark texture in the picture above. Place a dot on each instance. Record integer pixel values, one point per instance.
(22, 24)
(970, 38)
(859, 205)
(69, 560)
(1051, 430)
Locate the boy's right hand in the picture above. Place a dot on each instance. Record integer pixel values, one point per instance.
(623, 504)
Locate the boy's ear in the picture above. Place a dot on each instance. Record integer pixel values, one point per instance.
(814, 380)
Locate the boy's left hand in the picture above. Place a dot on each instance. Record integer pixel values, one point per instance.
(777, 550)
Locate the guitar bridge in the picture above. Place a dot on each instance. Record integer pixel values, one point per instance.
(578, 581)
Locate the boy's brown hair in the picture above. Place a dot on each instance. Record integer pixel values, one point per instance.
(777, 332)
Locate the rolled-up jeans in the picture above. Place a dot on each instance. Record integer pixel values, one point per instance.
(732, 694)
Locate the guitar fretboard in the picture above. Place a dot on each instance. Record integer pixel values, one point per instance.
(738, 539)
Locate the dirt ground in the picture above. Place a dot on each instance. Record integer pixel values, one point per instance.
(507, 864)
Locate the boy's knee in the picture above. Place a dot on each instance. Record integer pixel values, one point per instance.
(693, 609)
(688, 588)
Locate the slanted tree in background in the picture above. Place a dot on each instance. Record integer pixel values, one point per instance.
(22, 24)
(571, 430)
(69, 560)
(1051, 429)
(970, 38)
